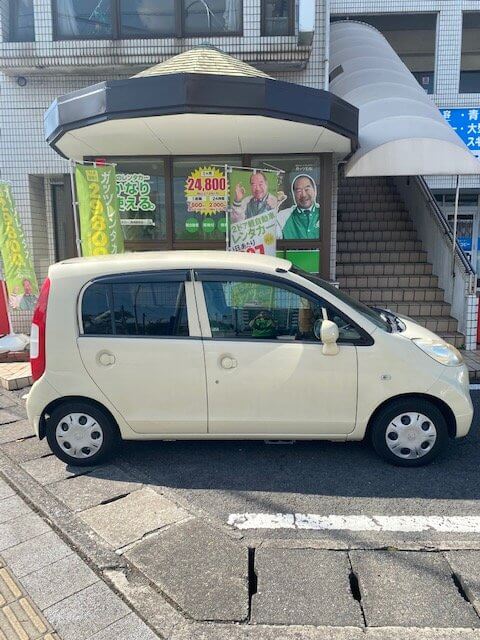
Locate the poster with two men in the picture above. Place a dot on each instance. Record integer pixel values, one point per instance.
(267, 205)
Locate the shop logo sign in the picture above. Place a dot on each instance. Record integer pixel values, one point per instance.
(466, 123)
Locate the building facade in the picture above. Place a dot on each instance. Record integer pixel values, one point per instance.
(50, 48)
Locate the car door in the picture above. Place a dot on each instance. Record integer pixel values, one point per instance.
(266, 371)
(140, 343)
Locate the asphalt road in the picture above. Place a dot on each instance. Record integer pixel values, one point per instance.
(222, 478)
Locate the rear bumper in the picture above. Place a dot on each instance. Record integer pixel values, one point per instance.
(39, 397)
(453, 388)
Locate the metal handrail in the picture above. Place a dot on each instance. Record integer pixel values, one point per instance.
(443, 222)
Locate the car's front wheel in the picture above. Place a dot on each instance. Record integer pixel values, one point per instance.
(409, 432)
(81, 434)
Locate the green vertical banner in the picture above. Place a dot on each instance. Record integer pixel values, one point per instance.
(100, 229)
(18, 268)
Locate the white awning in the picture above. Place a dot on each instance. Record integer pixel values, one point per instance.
(401, 130)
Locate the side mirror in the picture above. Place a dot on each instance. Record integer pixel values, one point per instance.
(329, 337)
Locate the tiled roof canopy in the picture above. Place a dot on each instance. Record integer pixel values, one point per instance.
(203, 59)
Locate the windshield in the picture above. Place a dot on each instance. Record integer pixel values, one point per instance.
(359, 307)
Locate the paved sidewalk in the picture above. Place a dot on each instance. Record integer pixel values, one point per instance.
(47, 591)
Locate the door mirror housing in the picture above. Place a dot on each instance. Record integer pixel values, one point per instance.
(329, 337)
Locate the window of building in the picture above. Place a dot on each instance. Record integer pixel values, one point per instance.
(470, 64)
(212, 17)
(21, 21)
(83, 18)
(156, 309)
(141, 199)
(143, 18)
(252, 309)
(278, 17)
(412, 36)
(146, 18)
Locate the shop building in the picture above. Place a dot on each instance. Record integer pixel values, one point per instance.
(261, 94)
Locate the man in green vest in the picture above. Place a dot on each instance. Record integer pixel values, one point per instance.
(302, 221)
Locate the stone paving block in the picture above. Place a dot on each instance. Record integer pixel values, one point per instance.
(15, 431)
(201, 569)
(5, 490)
(27, 449)
(410, 589)
(189, 631)
(129, 628)
(6, 402)
(11, 508)
(51, 469)
(58, 580)
(82, 492)
(130, 518)
(304, 586)
(16, 531)
(7, 416)
(87, 612)
(466, 565)
(36, 553)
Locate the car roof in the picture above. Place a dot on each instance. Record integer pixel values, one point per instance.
(153, 260)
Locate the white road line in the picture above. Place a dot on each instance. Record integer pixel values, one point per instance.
(311, 521)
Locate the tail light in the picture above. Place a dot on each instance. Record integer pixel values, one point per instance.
(37, 333)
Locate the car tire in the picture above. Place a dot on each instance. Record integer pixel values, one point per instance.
(409, 432)
(81, 433)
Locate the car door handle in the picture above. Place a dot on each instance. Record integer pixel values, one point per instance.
(105, 358)
(228, 363)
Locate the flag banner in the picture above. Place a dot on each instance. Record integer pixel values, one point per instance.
(19, 273)
(254, 198)
(100, 227)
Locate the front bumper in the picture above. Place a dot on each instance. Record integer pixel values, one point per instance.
(453, 388)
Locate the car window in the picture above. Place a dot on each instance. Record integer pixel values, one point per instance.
(135, 309)
(266, 310)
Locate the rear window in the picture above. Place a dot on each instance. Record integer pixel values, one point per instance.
(156, 309)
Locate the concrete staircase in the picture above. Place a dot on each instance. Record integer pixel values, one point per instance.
(380, 260)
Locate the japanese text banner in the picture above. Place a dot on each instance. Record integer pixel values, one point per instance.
(17, 263)
(101, 232)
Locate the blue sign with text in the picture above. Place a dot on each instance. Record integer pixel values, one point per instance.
(466, 122)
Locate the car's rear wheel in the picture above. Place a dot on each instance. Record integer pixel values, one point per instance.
(81, 434)
(409, 432)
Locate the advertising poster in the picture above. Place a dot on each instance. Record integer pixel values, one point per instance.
(254, 199)
(17, 263)
(100, 228)
(205, 200)
(466, 123)
(299, 215)
(137, 205)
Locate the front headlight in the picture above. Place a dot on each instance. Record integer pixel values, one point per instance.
(440, 351)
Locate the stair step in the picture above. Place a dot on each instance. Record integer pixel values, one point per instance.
(372, 196)
(375, 226)
(371, 216)
(415, 310)
(344, 257)
(390, 282)
(384, 269)
(379, 245)
(372, 205)
(376, 236)
(407, 295)
(453, 337)
(438, 325)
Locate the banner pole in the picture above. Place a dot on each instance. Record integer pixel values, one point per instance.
(227, 211)
(78, 241)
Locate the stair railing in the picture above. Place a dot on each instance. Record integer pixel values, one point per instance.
(456, 275)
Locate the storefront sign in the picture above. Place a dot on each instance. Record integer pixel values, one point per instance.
(101, 232)
(466, 122)
(254, 198)
(17, 263)
(133, 191)
(206, 191)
